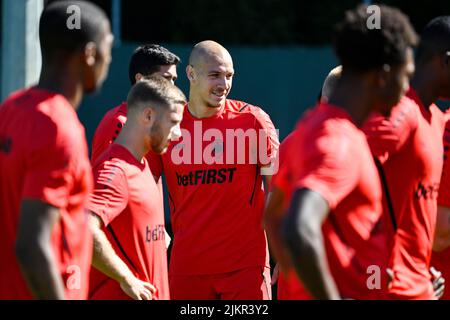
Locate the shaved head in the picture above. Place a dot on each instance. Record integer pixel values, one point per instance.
(210, 72)
(207, 50)
(331, 81)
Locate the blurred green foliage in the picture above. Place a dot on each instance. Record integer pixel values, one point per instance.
(250, 22)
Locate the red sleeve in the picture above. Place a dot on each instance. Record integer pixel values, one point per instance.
(106, 132)
(387, 135)
(268, 142)
(155, 163)
(444, 188)
(282, 179)
(110, 195)
(329, 169)
(51, 162)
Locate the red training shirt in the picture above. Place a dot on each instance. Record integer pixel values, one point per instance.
(126, 198)
(108, 129)
(216, 192)
(410, 145)
(44, 156)
(441, 260)
(330, 156)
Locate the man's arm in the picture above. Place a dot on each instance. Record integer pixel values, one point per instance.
(273, 217)
(302, 233)
(106, 260)
(442, 235)
(34, 252)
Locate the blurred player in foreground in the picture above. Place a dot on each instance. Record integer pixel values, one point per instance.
(46, 245)
(333, 230)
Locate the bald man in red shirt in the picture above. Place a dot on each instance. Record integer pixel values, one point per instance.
(214, 175)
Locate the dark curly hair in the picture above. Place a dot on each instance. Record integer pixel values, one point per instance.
(360, 48)
(55, 36)
(147, 59)
(434, 39)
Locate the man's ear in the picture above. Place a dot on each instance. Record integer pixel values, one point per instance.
(382, 77)
(190, 72)
(90, 53)
(149, 115)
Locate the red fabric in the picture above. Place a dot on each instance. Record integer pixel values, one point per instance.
(332, 158)
(289, 286)
(247, 284)
(108, 129)
(444, 188)
(44, 156)
(441, 260)
(216, 209)
(127, 199)
(411, 143)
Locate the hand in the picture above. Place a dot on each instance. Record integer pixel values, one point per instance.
(137, 289)
(438, 283)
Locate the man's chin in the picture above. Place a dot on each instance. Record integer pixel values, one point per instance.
(216, 105)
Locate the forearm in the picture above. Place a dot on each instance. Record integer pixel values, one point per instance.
(40, 272)
(309, 259)
(105, 258)
(107, 261)
(302, 233)
(34, 251)
(442, 234)
(272, 220)
(273, 229)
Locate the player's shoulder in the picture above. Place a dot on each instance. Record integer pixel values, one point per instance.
(115, 157)
(51, 116)
(406, 111)
(17, 97)
(328, 120)
(119, 110)
(118, 113)
(245, 109)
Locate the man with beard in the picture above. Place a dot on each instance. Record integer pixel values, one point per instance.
(130, 257)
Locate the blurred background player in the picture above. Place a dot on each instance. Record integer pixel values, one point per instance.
(433, 83)
(45, 172)
(219, 249)
(146, 60)
(409, 146)
(333, 230)
(129, 239)
(289, 287)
